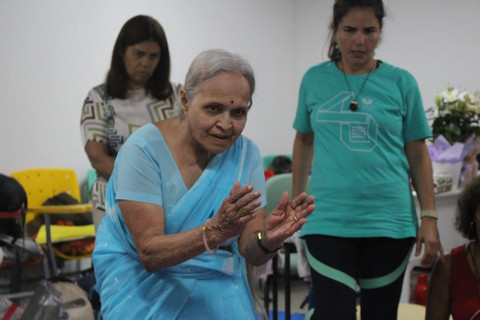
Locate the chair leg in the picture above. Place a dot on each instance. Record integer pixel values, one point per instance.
(16, 273)
(50, 255)
(275, 276)
(266, 293)
(46, 269)
(287, 249)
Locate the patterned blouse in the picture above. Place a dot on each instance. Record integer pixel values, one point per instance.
(112, 121)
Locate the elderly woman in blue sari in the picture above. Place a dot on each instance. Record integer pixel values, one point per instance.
(186, 207)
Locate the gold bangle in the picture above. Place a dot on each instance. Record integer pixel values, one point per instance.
(260, 244)
(429, 214)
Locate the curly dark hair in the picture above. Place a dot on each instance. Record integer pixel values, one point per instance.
(139, 29)
(468, 204)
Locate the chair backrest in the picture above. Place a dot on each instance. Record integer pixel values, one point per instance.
(43, 183)
(276, 185)
(91, 177)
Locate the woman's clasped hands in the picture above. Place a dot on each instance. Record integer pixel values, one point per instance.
(236, 211)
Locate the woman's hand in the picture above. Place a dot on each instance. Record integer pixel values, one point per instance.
(428, 235)
(286, 219)
(236, 211)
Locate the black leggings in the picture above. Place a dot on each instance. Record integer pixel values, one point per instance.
(377, 265)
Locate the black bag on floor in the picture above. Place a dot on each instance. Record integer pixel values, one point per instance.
(13, 205)
(62, 199)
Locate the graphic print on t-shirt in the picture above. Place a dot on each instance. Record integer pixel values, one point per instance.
(356, 130)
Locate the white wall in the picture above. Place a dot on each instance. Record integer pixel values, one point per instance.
(53, 51)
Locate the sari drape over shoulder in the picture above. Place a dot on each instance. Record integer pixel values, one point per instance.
(208, 286)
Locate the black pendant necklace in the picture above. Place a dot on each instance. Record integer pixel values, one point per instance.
(354, 104)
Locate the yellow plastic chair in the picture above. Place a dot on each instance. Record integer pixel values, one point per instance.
(41, 184)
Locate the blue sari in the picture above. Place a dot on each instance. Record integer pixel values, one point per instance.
(204, 287)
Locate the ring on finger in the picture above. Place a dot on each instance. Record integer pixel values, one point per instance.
(295, 218)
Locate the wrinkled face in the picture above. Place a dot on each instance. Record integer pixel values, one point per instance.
(140, 61)
(217, 114)
(357, 37)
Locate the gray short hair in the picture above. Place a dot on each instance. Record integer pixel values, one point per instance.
(211, 62)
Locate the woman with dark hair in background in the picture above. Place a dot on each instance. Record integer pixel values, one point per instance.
(137, 91)
(454, 285)
(361, 130)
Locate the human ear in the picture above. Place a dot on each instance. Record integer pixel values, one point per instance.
(184, 100)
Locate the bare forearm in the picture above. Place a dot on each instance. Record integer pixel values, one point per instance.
(438, 297)
(99, 158)
(156, 250)
(104, 168)
(146, 223)
(421, 173)
(302, 162)
(168, 250)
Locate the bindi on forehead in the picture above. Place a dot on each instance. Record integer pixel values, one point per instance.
(232, 102)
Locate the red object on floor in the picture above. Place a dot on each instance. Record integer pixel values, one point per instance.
(420, 292)
(268, 173)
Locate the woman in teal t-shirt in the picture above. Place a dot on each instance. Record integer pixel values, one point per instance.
(361, 130)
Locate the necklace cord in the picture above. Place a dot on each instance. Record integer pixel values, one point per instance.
(354, 103)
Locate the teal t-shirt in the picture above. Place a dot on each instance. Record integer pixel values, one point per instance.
(360, 173)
